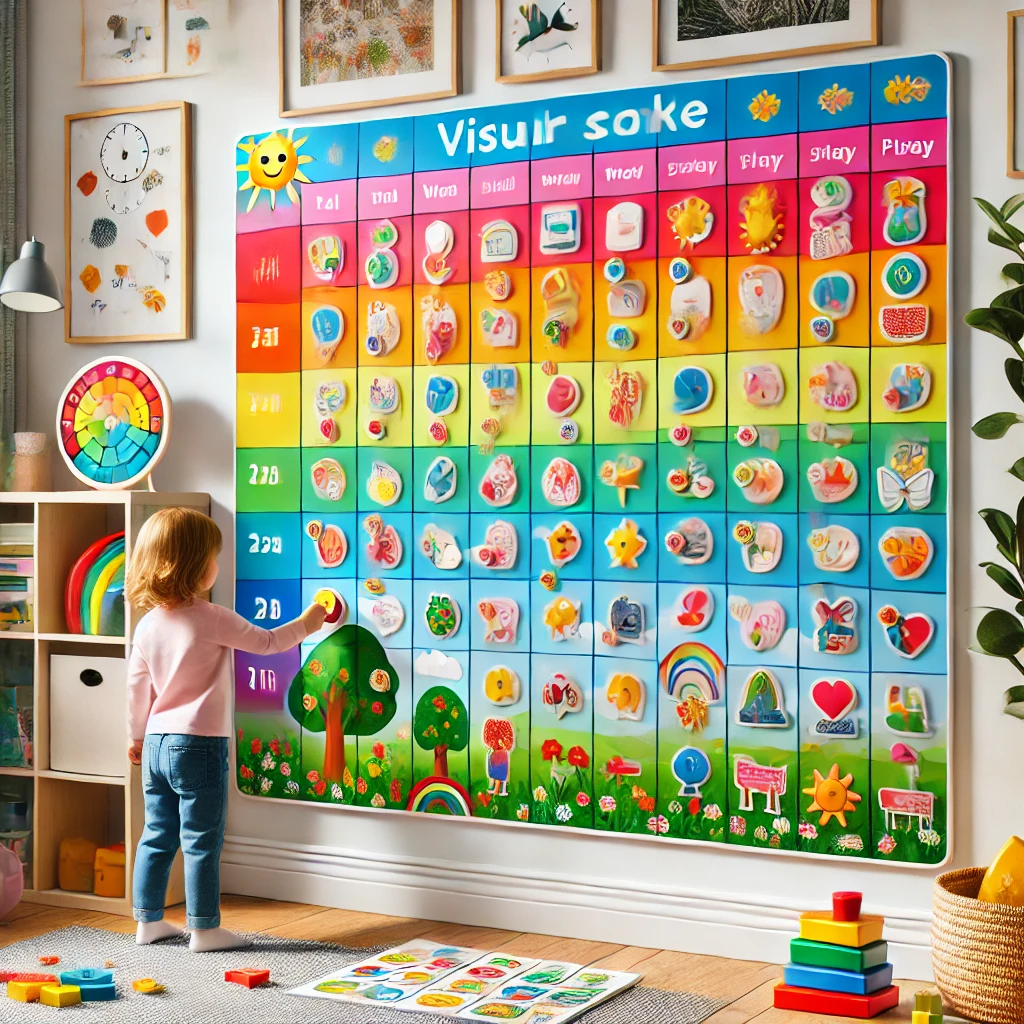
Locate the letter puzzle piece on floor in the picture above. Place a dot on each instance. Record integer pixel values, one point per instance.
(828, 979)
(25, 988)
(841, 1004)
(60, 995)
(841, 958)
(818, 926)
(250, 977)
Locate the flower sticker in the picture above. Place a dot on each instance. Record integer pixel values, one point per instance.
(764, 106)
(904, 90)
(835, 98)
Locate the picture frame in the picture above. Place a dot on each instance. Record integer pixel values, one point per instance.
(1014, 110)
(147, 40)
(548, 62)
(128, 224)
(717, 49)
(401, 46)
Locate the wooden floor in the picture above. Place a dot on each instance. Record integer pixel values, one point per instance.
(744, 985)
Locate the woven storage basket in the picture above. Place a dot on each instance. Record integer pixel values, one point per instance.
(977, 950)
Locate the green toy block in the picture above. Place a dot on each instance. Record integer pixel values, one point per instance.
(928, 1000)
(841, 958)
(923, 1017)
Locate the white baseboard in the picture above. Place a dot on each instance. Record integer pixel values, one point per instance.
(689, 920)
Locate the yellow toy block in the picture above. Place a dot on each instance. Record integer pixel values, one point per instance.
(25, 991)
(928, 1000)
(60, 995)
(924, 1017)
(818, 926)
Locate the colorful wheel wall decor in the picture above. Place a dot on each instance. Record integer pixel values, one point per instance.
(113, 422)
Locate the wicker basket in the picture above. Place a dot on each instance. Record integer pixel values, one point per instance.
(977, 950)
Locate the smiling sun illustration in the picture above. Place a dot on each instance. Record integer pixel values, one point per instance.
(832, 796)
(273, 164)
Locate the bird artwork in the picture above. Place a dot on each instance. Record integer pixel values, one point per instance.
(539, 27)
(128, 53)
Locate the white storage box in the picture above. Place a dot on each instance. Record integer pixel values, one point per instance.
(88, 715)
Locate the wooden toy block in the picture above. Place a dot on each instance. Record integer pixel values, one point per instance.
(147, 986)
(842, 1005)
(846, 906)
(842, 958)
(828, 979)
(928, 1000)
(26, 976)
(923, 1017)
(819, 926)
(98, 993)
(250, 977)
(60, 995)
(87, 976)
(24, 991)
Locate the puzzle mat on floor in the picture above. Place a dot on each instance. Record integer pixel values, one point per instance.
(429, 977)
(611, 431)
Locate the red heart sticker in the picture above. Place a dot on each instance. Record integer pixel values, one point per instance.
(834, 699)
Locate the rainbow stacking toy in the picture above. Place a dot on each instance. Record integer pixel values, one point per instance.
(838, 964)
(94, 593)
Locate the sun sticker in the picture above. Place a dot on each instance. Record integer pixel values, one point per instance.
(832, 796)
(273, 165)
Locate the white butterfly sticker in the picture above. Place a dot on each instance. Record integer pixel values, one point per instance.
(916, 490)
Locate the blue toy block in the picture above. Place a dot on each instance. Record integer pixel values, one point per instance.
(828, 979)
(98, 993)
(96, 985)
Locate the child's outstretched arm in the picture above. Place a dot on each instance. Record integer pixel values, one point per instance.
(140, 701)
(229, 629)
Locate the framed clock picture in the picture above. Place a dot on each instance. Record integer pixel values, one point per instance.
(128, 224)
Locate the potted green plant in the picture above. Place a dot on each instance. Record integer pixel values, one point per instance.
(1000, 632)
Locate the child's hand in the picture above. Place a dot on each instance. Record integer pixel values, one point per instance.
(135, 751)
(313, 617)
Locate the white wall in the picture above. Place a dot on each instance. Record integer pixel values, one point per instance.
(719, 900)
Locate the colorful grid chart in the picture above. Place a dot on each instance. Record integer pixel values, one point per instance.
(611, 431)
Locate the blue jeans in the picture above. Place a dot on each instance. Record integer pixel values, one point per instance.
(185, 786)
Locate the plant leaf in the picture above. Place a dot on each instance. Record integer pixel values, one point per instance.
(1001, 526)
(1014, 701)
(1017, 469)
(1011, 206)
(1014, 234)
(1014, 271)
(1001, 634)
(1020, 526)
(1001, 240)
(1012, 298)
(988, 428)
(1014, 370)
(1004, 323)
(1004, 579)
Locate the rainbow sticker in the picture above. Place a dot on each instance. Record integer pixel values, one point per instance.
(692, 670)
(437, 795)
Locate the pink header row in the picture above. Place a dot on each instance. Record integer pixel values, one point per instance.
(880, 147)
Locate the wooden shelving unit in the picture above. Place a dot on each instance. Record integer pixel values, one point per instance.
(103, 808)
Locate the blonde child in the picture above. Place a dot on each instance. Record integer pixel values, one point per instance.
(179, 717)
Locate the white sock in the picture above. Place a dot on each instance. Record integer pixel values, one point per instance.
(154, 931)
(208, 940)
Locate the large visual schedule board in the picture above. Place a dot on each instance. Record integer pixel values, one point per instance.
(611, 429)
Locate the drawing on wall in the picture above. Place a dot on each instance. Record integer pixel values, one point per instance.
(341, 55)
(549, 39)
(707, 33)
(128, 235)
(616, 448)
(133, 40)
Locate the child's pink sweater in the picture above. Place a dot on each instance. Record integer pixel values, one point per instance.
(179, 674)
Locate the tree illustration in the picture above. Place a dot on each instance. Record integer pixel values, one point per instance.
(345, 686)
(441, 723)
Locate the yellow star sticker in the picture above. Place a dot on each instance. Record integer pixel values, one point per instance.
(832, 796)
(625, 545)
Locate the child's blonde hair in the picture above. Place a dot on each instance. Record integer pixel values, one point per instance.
(170, 558)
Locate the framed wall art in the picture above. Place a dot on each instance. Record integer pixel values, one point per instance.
(1014, 102)
(128, 224)
(617, 454)
(142, 40)
(366, 53)
(711, 33)
(551, 39)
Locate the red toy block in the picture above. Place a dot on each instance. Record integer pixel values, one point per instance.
(6, 976)
(846, 906)
(250, 977)
(788, 997)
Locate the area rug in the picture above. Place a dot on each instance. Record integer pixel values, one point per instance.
(196, 990)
